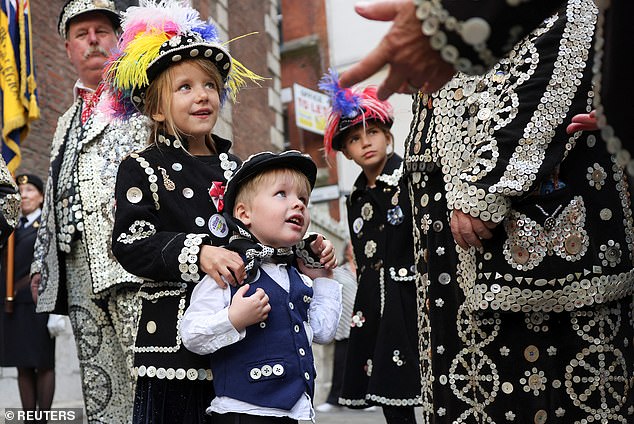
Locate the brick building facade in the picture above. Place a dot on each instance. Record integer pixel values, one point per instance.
(305, 58)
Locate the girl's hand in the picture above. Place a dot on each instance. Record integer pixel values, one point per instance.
(224, 266)
(325, 249)
(248, 310)
(468, 231)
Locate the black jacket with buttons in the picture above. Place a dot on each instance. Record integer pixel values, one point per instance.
(164, 212)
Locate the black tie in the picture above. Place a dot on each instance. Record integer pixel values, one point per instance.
(23, 221)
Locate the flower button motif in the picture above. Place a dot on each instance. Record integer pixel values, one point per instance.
(367, 211)
(370, 248)
(395, 216)
(357, 320)
(596, 176)
(610, 253)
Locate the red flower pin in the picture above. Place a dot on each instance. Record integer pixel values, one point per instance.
(217, 193)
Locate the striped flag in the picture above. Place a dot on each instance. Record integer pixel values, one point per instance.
(17, 78)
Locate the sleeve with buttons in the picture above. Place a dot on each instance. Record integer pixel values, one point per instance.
(473, 35)
(140, 242)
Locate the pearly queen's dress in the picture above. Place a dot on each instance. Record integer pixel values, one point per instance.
(537, 326)
(164, 215)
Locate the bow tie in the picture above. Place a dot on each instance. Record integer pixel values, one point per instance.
(255, 253)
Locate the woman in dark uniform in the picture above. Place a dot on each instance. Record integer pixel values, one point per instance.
(26, 343)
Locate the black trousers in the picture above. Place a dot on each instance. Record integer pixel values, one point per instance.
(399, 414)
(235, 418)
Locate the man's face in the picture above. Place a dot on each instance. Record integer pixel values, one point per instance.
(90, 39)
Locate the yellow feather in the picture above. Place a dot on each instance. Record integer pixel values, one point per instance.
(237, 78)
(130, 69)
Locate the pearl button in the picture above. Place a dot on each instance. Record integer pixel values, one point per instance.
(255, 373)
(267, 370)
(278, 369)
(134, 195)
(475, 31)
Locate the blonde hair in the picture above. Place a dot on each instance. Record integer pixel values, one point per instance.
(248, 190)
(158, 98)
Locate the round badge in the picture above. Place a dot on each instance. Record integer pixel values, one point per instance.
(200, 221)
(218, 226)
(134, 195)
(357, 225)
(177, 166)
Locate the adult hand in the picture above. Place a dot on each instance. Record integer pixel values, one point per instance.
(414, 64)
(583, 122)
(468, 231)
(248, 310)
(35, 285)
(224, 266)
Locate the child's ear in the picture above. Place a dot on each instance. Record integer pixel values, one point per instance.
(158, 117)
(241, 212)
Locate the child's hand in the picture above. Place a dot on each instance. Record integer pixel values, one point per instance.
(325, 250)
(224, 266)
(248, 310)
(314, 272)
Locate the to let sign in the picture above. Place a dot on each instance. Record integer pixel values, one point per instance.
(311, 109)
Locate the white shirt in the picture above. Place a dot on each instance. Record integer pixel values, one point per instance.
(205, 328)
(30, 218)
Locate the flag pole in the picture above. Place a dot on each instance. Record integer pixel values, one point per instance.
(8, 300)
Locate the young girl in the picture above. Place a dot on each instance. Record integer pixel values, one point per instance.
(172, 68)
(382, 359)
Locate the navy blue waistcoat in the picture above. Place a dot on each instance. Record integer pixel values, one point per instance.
(273, 365)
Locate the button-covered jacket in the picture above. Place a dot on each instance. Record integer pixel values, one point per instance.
(380, 217)
(164, 215)
(98, 147)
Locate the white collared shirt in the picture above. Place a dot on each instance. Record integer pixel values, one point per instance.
(30, 218)
(206, 328)
(80, 86)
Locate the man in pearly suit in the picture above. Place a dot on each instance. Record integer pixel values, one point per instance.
(9, 203)
(74, 271)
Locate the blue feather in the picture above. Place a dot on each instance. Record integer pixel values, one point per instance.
(207, 32)
(344, 101)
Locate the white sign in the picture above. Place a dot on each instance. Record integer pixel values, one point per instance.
(325, 193)
(311, 109)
